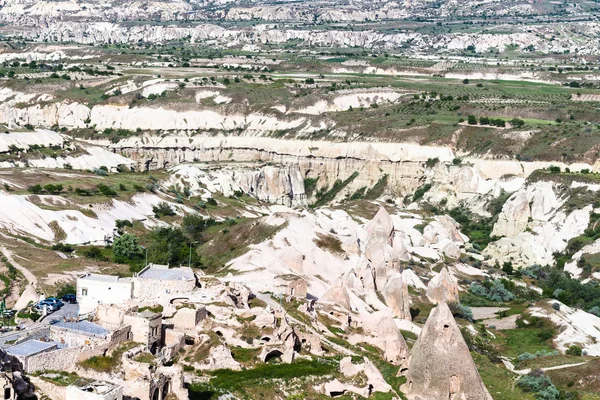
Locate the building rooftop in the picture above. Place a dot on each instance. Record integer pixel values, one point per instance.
(82, 328)
(164, 273)
(30, 348)
(103, 278)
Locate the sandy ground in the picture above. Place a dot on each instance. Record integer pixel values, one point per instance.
(504, 323)
(486, 312)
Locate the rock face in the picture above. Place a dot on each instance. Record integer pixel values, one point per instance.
(273, 184)
(535, 226)
(443, 288)
(440, 366)
(395, 293)
(514, 216)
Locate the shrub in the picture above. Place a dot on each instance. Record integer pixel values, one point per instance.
(535, 381)
(507, 268)
(556, 306)
(492, 290)
(595, 310)
(193, 226)
(432, 162)
(65, 248)
(554, 169)
(95, 253)
(35, 189)
(574, 350)
(499, 293)
(460, 311)
(420, 192)
(122, 223)
(106, 190)
(163, 209)
(478, 290)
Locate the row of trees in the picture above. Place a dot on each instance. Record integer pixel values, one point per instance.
(515, 122)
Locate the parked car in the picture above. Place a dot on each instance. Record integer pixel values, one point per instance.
(54, 301)
(39, 308)
(8, 313)
(69, 298)
(50, 305)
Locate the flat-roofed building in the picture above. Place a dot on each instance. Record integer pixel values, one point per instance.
(94, 289)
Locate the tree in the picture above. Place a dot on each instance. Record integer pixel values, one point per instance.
(507, 268)
(193, 225)
(125, 248)
(472, 120)
(54, 189)
(35, 189)
(517, 122)
(169, 245)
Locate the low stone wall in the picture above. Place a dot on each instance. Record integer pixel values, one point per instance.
(57, 360)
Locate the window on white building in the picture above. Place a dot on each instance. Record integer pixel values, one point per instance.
(84, 292)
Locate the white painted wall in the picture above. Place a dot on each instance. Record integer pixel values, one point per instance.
(102, 289)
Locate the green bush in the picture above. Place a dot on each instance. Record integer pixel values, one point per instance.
(574, 350)
(125, 249)
(537, 382)
(163, 209)
(106, 190)
(420, 192)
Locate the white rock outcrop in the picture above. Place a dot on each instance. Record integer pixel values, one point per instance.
(443, 288)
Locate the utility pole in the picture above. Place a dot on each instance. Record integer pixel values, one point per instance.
(146, 249)
(190, 260)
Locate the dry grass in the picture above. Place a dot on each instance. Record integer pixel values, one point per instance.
(329, 243)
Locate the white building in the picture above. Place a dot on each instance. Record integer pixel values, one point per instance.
(94, 289)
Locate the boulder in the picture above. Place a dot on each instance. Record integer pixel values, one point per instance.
(384, 334)
(381, 226)
(337, 295)
(443, 288)
(395, 293)
(440, 365)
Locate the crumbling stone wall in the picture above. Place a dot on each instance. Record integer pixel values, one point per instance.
(150, 289)
(187, 318)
